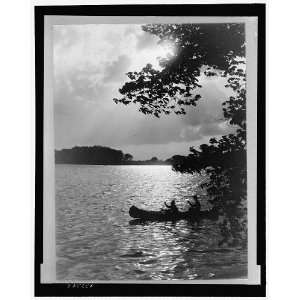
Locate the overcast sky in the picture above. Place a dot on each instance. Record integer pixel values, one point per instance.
(90, 62)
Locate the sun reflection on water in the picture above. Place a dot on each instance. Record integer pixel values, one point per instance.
(96, 242)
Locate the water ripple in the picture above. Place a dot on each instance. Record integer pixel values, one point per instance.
(95, 240)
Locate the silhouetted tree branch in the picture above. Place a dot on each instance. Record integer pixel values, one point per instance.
(212, 50)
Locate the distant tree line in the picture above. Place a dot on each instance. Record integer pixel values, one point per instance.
(91, 155)
(100, 155)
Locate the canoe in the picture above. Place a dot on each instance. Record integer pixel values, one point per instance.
(167, 215)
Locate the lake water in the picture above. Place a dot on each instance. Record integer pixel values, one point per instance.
(95, 240)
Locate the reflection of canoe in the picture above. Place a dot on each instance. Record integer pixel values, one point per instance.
(167, 215)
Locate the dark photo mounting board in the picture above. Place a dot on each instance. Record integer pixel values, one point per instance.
(43, 253)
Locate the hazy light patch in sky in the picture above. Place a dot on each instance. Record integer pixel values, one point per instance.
(90, 62)
(162, 151)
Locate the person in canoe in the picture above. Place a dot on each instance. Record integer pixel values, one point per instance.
(196, 206)
(172, 207)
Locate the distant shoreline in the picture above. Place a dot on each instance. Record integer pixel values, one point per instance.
(117, 164)
(100, 155)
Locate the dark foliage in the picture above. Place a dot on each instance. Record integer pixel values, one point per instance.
(90, 155)
(128, 157)
(99, 155)
(154, 159)
(224, 161)
(207, 48)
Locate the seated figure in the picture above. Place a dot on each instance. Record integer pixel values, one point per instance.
(196, 206)
(172, 207)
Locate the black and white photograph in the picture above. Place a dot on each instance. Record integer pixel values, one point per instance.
(150, 150)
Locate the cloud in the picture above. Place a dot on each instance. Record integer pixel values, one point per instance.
(217, 129)
(82, 85)
(89, 66)
(146, 40)
(115, 71)
(209, 107)
(134, 29)
(118, 125)
(207, 119)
